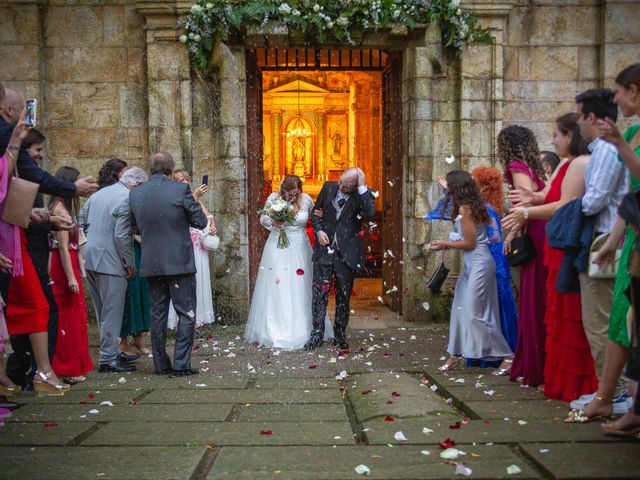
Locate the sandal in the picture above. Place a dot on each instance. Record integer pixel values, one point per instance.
(503, 371)
(42, 384)
(74, 380)
(450, 365)
(8, 390)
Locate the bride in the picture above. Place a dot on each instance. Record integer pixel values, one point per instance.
(280, 314)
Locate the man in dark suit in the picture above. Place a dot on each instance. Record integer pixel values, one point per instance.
(163, 210)
(339, 251)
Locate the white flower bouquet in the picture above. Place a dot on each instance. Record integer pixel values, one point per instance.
(282, 211)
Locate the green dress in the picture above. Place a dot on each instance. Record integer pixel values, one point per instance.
(618, 319)
(137, 306)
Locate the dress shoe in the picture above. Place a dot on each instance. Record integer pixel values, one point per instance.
(117, 366)
(166, 371)
(185, 373)
(341, 343)
(128, 357)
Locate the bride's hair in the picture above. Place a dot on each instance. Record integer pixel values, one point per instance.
(289, 183)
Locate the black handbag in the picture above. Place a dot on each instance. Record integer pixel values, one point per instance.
(439, 276)
(522, 251)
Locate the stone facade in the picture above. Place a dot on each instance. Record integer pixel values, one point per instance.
(112, 80)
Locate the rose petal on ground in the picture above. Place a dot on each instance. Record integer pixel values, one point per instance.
(388, 419)
(513, 470)
(399, 436)
(107, 403)
(427, 431)
(447, 443)
(451, 453)
(122, 380)
(91, 395)
(456, 425)
(463, 470)
(94, 411)
(425, 452)
(362, 470)
(366, 392)
(395, 394)
(389, 402)
(51, 424)
(313, 366)
(266, 432)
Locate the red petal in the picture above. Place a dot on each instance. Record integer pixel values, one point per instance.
(395, 394)
(360, 233)
(487, 421)
(313, 366)
(366, 392)
(83, 402)
(455, 425)
(209, 337)
(447, 443)
(387, 354)
(376, 318)
(388, 419)
(300, 271)
(389, 402)
(91, 395)
(326, 287)
(266, 432)
(50, 424)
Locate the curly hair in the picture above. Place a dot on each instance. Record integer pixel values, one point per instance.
(108, 174)
(518, 143)
(464, 190)
(489, 180)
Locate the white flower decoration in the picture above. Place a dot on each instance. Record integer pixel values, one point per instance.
(183, 38)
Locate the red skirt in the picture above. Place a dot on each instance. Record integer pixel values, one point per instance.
(72, 348)
(569, 371)
(27, 307)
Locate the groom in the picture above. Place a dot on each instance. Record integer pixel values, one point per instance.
(339, 251)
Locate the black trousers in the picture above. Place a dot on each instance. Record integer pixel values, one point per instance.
(325, 275)
(633, 364)
(21, 364)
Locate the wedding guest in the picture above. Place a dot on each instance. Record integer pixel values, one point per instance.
(110, 172)
(569, 369)
(27, 312)
(7, 387)
(475, 313)
(606, 183)
(204, 298)
(518, 153)
(72, 359)
(489, 180)
(549, 161)
(627, 97)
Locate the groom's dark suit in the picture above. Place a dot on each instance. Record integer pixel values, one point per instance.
(342, 222)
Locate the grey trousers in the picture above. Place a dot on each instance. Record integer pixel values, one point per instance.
(181, 290)
(108, 294)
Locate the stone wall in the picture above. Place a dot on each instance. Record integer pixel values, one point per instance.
(112, 80)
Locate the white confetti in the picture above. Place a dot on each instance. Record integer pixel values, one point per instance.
(488, 392)
(122, 380)
(434, 388)
(521, 422)
(463, 470)
(427, 431)
(544, 450)
(107, 403)
(201, 385)
(426, 306)
(513, 470)
(460, 380)
(450, 159)
(332, 360)
(451, 453)
(231, 355)
(363, 470)
(374, 194)
(94, 411)
(380, 299)
(399, 436)
(425, 452)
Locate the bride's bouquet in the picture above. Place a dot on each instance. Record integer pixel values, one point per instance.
(279, 210)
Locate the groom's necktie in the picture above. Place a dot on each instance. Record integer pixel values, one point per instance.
(341, 202)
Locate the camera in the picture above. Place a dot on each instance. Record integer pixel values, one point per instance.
(30, 117)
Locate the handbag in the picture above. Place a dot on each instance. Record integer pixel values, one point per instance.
(594, 270)
(211, 242)
(20, 198)
(438, 277)
(522, 251)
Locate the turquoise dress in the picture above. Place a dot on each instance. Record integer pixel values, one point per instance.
(137, 307)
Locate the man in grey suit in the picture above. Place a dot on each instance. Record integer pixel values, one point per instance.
(163, 210)
(109, 263)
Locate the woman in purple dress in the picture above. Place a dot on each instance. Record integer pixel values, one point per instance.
(519, 155)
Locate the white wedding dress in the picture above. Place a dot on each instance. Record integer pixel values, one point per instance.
(280, 314)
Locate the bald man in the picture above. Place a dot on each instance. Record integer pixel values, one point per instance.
(338, 252)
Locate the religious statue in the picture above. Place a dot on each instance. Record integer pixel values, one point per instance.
(337, 142)
(298, 149)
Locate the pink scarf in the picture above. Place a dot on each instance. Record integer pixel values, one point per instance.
(9, 234)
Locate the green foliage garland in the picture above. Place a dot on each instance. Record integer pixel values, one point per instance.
(322, 21)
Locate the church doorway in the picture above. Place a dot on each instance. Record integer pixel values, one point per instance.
(313, 113)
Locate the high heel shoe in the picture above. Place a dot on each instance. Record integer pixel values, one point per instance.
(43, 385)
(503, 371)
(450, 365)
(8, 390)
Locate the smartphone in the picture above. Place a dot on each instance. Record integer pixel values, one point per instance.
(30, 118)
(205, 180)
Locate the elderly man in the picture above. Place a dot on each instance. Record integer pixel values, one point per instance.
(110, 263)
(163, 210)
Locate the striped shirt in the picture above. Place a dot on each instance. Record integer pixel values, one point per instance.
(606, 182)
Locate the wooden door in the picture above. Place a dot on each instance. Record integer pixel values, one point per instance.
(392, 244)
(255, 175)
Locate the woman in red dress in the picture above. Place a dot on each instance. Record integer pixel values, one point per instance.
(71, 359)
(569, 369)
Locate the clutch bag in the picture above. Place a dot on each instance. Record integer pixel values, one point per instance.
(522, 251)
(594, 270)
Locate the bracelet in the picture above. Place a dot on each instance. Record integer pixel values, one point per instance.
(12, 146)
(525, 213)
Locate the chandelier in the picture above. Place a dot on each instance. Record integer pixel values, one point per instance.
(299, 130)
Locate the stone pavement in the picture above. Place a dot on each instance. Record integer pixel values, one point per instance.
(256, 414)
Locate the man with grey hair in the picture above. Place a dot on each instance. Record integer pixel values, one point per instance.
(109, 262)
(163, 211)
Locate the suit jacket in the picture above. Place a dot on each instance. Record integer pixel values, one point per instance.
(29, 169)
(109, 247)
(345, 229)
(162, 211)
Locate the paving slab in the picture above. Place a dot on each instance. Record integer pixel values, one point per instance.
(109, 463)
(53, 433)
(592, 460)
(97, 381)
(243, 396)
(490, 393)
(318, 412)
(520, 409)
(285, 383)
(122, 413)
(223, 433)
(398, 395)
(90, 397)
(399, 463)
(379, 432)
